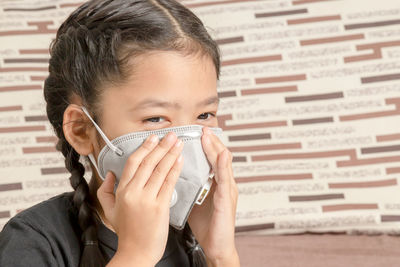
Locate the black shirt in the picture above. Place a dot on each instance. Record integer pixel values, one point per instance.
(46, 235)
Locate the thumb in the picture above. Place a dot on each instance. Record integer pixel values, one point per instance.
(105, 193)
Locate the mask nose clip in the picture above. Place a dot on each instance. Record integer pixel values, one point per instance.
(119, 152)
(193, 134)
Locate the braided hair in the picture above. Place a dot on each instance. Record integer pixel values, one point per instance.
(93, 48)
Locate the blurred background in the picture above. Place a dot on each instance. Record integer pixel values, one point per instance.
(310, 106)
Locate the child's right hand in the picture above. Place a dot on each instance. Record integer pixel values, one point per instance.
(139, 210)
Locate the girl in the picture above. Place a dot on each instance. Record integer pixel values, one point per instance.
(135, 65)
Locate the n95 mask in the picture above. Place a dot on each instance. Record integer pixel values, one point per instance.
(196, 176)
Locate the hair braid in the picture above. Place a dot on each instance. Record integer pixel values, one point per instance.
(87, 217)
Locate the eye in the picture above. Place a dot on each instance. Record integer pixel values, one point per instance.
(206, 115)
(154, 119)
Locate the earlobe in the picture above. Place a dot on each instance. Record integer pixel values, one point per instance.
(76, 130)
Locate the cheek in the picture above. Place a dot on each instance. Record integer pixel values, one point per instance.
(217, 122)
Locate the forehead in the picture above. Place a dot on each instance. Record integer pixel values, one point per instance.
(168, 75)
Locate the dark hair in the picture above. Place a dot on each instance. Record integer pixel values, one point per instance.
(93, 47)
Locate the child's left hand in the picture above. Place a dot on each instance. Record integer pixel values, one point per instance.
(213, 222)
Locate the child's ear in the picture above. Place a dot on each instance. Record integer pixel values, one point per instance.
(77, 130)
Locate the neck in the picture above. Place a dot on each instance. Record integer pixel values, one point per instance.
(94, 184)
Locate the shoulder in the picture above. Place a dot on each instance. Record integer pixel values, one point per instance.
(53, 218)
(55, 214)
(41, 234)
(53, 210)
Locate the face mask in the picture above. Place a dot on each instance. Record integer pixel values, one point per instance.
(194, 180)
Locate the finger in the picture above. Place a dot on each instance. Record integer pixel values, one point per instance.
(105, 193)
(150, 161)
(234, 186)
(223, 194)
(214, 137)
(212, 146)
(167, 188)
(135, 159)
(161, 171)
(232, 178)
(234, 192)
(219, 147)
(223, 176)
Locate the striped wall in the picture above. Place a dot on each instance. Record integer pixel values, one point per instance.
(310, 105)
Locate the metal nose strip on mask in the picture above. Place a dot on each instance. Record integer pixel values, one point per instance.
(185, 133)
(117, 150)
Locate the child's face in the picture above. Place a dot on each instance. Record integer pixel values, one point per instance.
(165, 90)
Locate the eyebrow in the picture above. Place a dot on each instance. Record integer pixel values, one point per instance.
(150, 102)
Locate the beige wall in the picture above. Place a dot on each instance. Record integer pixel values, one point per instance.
(310, 104)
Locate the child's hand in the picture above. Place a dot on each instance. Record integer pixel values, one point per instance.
(139, 210)
(213, 223)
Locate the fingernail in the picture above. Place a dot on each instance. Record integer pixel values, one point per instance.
(170, 137)
(207, 130)
(180, 158)
(178, 143)
(154, 139)
(206, 139)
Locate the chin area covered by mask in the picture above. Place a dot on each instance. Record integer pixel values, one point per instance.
(194, 180)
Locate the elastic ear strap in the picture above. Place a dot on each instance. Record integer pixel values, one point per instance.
(109, 144)
(91, 157)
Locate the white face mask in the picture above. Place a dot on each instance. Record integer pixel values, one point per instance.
(194, 180)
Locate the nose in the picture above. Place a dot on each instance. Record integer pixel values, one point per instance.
(186, 118)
